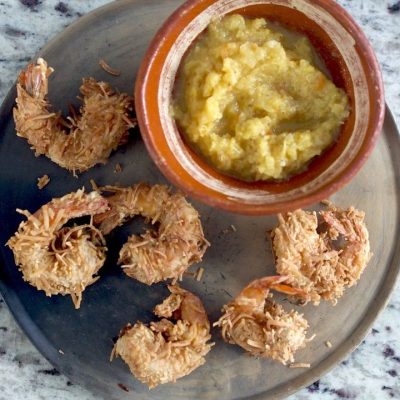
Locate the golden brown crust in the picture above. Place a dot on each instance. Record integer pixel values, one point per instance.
(157, 254)
(57, 259)
(84, 138)
(322, 257)
(262, 327)
(167, 350)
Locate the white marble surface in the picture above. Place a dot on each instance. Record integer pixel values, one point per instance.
(371, 372)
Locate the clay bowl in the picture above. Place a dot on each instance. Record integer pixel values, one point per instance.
(349, 58)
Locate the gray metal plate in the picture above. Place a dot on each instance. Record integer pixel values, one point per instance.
(120, 33)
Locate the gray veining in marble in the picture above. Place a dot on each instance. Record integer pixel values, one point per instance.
(371, 372)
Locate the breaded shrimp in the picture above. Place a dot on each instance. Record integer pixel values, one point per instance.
(166, 351)
(156, 255)
(322, 258)
(57, 259)
(262, 327)
(82, 140)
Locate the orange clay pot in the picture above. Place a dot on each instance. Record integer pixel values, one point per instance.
(348, 56)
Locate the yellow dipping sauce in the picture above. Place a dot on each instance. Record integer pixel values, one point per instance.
(250, 99)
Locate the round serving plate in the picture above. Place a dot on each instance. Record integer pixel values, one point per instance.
(79, 342)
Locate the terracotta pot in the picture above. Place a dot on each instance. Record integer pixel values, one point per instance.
(348, 56)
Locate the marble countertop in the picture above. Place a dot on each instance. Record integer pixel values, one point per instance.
(370, 372)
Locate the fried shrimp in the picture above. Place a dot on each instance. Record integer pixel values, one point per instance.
(156, 255)
(165, 351)
(83, 139)
(262, 327)
(57, 259)
(322, 257)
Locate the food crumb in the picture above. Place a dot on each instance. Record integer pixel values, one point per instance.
(233, 227)
(94, 186)
(328, 344)
(326, 202)
(123, 387)
(199, 274)
(43, 181)
(227, 293)
(61, 352)
(311, 338)
(118, 168)
(300, 365)
(108, 69)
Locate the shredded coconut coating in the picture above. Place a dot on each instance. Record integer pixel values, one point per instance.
(57, 259)
(166, 350)
(157, 254)
(84, 138)
(262, 327)
(322, 257)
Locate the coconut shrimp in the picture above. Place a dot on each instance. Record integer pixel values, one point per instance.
(262, 327)
(167, 350)
(322, 257)
(155, 255)
(57, 259)
(83, 139)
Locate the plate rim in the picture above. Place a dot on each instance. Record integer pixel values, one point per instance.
(42, 344)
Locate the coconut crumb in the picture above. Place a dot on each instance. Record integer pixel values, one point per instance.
(61, 352)
(312, 337)
(118, 168)
(43, 181)
(94, 185)
(199, 274)
(326, 202)
(328, 344)
(299, 365)
(108, 69)
(25, 213)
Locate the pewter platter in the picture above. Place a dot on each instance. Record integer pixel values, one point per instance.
(120, 33)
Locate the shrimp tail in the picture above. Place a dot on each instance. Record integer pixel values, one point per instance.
(32, 116)
(35, 79)
(276, 283)
(291, 291)
(273, 283)
(269, 281)
(184, 305)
